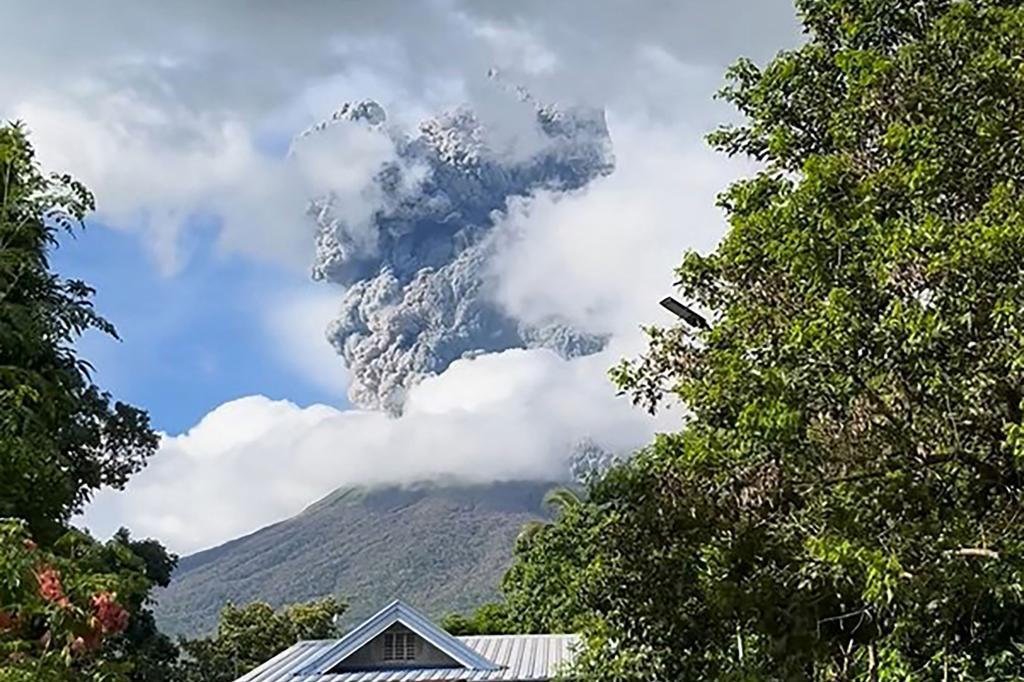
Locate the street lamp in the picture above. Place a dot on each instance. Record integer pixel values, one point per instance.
(685, 314)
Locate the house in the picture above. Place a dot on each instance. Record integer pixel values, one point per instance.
(398, 644)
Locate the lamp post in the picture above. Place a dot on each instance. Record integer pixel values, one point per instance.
(684, 313)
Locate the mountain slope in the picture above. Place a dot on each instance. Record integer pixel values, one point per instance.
(439, 547)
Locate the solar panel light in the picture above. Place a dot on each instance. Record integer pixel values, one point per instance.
(684, 313)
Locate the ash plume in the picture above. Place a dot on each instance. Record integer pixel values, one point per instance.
(416, 295)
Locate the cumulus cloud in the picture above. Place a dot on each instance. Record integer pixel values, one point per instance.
(153, 168)
(507, 416)
(168, 109)
(602, 258)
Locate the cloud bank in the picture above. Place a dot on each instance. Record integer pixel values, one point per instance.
(508, 416)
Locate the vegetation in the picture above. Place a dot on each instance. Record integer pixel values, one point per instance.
(61, 436)
(70, 608)
(251, 635)
(57, 610)
(844, 501)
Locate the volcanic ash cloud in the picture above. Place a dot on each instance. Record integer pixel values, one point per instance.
(413, 261)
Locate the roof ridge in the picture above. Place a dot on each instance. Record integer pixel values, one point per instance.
(532, 658)
(397, 612)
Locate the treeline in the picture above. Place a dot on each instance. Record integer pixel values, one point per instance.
(843, 500)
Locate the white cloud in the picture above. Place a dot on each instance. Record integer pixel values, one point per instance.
(159, 108)
(603, 257)
(296, 322)
(149, 179)
(252, 461)
(516, 47)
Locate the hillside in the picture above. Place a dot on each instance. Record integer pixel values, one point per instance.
(439, 547)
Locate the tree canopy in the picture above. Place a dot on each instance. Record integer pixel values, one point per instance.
(253, 634)
(61, 436)
(70, 607)
(844, 498)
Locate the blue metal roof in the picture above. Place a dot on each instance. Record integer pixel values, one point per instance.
(519, 658)
(397, 612)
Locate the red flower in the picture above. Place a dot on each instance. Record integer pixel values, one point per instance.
(50, 588)
(110, 615)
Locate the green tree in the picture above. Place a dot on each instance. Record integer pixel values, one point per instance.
(253, 634)
(57, 611)
(151, 655)
(61, 436)
(844, 501)
(487, 619)
(556, 501)
(51, 623)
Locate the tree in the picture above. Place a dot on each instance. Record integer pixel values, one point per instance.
(78, 609)
(844, 500)
(487, 619)
(56, 612)
(251, 635)
(556, 501)
(61, 436)
(150, 654)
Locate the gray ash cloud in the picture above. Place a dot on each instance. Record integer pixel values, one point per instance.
(414, 278)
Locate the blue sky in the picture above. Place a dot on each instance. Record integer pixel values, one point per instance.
(189, 341)
(179, 117)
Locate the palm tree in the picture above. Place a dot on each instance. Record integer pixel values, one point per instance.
(557, 501)
(561, 499)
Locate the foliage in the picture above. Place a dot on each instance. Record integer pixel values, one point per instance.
(61, 437)
(251, 635)
(844, 501)
(557, 501)
(487, 619)
(150, 653)
(56, 611)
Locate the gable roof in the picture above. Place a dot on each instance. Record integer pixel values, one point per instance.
(521, 658)
(397, 612)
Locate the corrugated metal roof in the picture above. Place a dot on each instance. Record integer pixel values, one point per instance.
(519, 658)
(397, 612)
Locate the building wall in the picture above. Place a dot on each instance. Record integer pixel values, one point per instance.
(372, 655)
